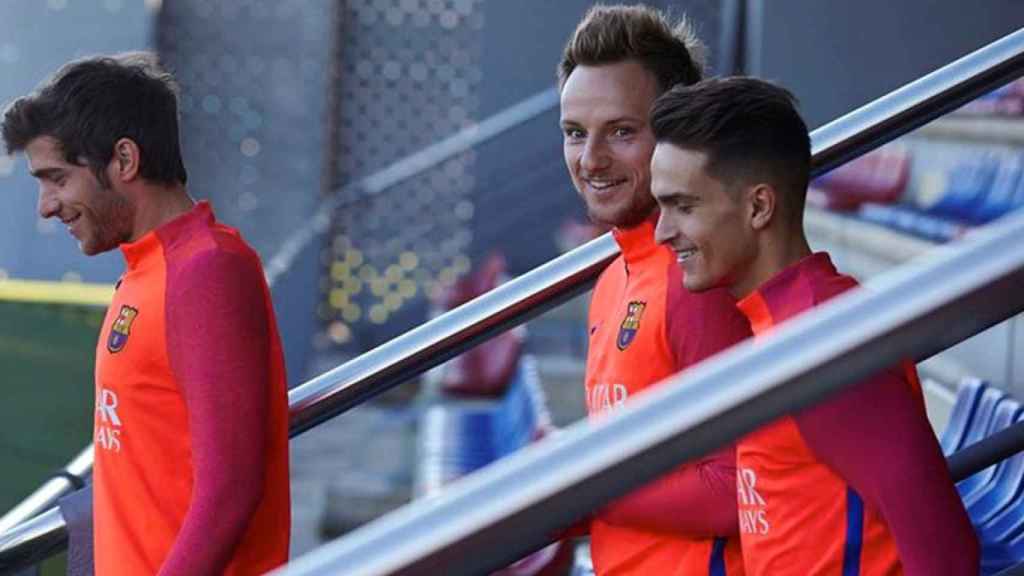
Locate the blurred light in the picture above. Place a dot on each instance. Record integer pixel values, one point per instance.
(352, 313)
(407, 288)
(393, 273)
(393, 302)
(447, 276)
(408, 260)
(250, 147)
(354, 258)
(71, 276)
(3, 274)
(338, 298)
(154, 5)
(339, 333)
(339, 270)
(57, 5)
(378, 314)
(352, 285)
(378, 287)
(367, 273)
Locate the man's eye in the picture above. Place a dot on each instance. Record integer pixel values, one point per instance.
(623, 131)
(573, 133)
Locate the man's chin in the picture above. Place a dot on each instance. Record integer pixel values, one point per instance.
(696, 283)
(618, 219)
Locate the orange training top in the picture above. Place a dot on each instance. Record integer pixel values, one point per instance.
(191, 422)
(855, 485)
(644, 327)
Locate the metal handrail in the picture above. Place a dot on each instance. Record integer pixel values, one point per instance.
(489, 519)
(432, 343)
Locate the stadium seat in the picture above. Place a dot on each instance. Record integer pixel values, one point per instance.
(1005, 193)
(973, 488)
(967, 184)
(977, 429)
(998, 556)
(460, 435)
(967, 397)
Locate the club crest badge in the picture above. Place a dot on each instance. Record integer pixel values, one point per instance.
(121, 329)
(630, 324)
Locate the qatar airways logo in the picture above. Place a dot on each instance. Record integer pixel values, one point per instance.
(753, 508)
(604, 397)
(108, 423)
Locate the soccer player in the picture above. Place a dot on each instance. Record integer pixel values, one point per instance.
(643, 325)
(856, 485)
(191, 420)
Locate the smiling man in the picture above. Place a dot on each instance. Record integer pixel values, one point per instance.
(856, 485)
(191, 420)
(643, 326)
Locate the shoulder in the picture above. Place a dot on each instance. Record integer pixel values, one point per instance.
(210, 257)
(822, 288)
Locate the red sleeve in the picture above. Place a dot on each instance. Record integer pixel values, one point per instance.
(699, 498)
(696, 500)
(217, 338)
(877, 437)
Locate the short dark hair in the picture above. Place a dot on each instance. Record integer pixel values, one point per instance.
(89, 104)
(749, 129)
(613, 34)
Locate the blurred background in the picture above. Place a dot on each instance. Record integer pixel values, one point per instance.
(295, 112)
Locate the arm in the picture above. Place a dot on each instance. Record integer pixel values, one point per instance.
(218, 349)
(696, 500)
(881, 421)
(699, 498)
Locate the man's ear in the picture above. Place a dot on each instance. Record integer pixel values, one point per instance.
(124, 166)
(762, 200)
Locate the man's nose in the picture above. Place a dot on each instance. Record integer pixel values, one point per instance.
(595, 156)
(664, 230)
(49, 206)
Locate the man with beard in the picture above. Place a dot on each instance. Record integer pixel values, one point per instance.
(643, 325)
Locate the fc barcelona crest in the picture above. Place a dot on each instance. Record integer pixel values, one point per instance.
(121, 329)
(630, 324)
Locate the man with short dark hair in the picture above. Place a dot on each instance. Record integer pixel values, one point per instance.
(191, 420)
(643, 326)
(857, 484)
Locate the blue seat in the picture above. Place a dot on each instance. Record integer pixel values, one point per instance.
(998, 556)
(975, 487)
(1003, 195)
(460, 435)
(967, 397)
(967, 184)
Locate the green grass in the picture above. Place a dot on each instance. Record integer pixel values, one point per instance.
(46, 371)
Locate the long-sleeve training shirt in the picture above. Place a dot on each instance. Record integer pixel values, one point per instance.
(191, 423)
(644, 327)
(856, 485)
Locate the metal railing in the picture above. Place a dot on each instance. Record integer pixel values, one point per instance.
(487, 520)
(529, 295)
